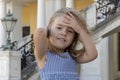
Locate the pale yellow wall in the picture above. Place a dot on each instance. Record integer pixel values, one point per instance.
(33, 17)
(26, 16)
(30, 12)
(81, 4)
(30, 16)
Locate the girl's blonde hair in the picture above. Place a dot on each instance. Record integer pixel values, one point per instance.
(72, 48)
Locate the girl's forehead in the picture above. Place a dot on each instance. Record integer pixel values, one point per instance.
(57, 20)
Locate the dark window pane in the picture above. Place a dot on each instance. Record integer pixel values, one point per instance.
(26, 31)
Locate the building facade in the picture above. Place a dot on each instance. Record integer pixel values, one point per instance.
(33, 14)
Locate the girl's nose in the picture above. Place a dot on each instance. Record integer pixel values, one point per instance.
(64, 32)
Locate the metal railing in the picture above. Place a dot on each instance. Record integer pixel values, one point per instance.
(105, 9)
(28, 64)
(26, 50)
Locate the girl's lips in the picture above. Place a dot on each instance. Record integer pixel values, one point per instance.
(62, 39)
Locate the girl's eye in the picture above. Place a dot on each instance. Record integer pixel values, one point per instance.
(59, 28)
(71, 31)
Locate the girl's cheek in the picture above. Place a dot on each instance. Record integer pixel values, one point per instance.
(53, 33)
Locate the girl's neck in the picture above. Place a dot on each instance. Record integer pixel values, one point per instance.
(54, 49)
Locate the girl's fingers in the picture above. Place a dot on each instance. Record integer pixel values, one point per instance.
(71, 15)
(67, 17)
(64, 23)
(69, 20)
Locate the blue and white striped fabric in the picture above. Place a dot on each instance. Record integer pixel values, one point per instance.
(59, 68)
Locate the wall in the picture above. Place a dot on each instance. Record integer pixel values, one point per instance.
(81, 4)
(30, 16)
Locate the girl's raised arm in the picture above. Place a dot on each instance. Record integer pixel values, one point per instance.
(40, 42)
(90, 52)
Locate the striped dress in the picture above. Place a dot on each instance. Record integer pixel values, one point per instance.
(59, 67)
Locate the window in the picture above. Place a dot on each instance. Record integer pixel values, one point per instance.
(26, 31)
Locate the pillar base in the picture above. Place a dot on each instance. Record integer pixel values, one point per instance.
(10, 65)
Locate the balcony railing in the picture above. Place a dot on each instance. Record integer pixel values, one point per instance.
(106, 9)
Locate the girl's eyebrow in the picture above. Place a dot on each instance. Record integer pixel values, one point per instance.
(67, 26)
(59, 24)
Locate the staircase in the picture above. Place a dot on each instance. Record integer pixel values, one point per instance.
(29, 70)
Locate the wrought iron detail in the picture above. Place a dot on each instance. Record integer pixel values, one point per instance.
(105, 9)
(27, 51)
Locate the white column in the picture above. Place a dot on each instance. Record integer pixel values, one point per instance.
(50, 9)
(70, 3)
(2, 30)
(59, 4)
(41, 14)
(52, 6)
(104, 54)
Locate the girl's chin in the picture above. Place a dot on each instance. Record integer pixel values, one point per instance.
(58, 47)
(61, 47)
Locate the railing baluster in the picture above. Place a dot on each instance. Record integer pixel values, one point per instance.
(105, 8)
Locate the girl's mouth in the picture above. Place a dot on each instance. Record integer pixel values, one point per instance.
(62, 39)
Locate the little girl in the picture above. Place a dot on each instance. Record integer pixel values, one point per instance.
(55, 48)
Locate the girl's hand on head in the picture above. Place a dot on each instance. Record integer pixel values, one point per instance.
(70, 20)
